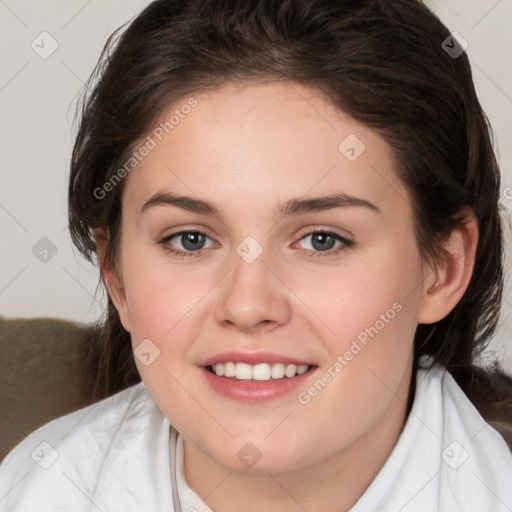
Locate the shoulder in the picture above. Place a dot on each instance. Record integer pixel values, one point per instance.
(69, 428)
(69, 454)
(475, 460)
(461, 413)
(461, 417)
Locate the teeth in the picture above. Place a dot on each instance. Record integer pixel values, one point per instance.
(229, 369)
(243, 371)
(262, 371)
(277, 371)
(290, 370)
(303, 368)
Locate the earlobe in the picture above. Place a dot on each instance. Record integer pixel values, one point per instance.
(112, 281)
(444, 287)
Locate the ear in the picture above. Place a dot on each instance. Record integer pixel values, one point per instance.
(446, 285)
(112, 279)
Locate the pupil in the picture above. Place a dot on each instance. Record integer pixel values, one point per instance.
(189, 240)
(322, 238)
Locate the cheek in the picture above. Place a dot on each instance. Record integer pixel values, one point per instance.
(372, 309)
(370, 294)
(159, 295)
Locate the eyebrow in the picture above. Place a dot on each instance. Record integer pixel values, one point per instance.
(292, 207)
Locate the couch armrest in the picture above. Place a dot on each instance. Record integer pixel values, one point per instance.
(40, 375)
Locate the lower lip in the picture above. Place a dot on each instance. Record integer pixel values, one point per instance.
(254, 391)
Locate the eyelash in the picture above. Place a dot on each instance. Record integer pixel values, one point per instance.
(178, 252)
(185, 254)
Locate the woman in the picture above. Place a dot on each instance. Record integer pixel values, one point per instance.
(294, 206)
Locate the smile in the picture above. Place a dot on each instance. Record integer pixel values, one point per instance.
(256, 376)
(259, 372)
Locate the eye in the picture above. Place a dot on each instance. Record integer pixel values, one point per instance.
(190, 241)
(193, 242)
(322, 242)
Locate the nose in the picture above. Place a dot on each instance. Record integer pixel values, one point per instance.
(252, 297)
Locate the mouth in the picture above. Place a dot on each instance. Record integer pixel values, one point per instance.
(262, 372)
(255, 377)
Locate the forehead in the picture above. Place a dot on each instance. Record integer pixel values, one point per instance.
(262, 142)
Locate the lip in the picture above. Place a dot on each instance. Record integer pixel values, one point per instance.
(254, 391)
(253, 358)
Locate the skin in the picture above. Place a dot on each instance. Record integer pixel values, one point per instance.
(248, 149)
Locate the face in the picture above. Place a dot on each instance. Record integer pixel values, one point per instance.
(267, 233)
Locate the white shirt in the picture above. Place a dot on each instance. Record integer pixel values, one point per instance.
(114, 456)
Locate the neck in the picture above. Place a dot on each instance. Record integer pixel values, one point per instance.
(331, 485)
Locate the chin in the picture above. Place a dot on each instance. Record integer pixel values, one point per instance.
(258, 458)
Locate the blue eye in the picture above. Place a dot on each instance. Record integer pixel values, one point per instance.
(194, 242)
(191, 241)
(323, 242)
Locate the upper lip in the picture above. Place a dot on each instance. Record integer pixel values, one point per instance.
(252, 358)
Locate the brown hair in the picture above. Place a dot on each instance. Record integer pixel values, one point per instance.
(381, 62)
